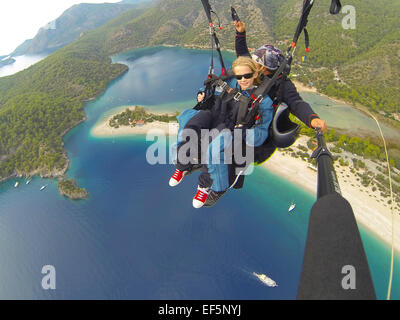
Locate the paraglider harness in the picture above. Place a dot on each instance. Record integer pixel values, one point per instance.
(282, 131)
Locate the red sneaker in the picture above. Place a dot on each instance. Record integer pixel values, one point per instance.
(200, 198)
(176, 178)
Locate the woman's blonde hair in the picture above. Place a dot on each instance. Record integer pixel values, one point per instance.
(250, 63)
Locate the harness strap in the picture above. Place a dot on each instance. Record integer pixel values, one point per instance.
(243, 111)
(214, 38)
(246, 115)
(335, 7)
(307, 40)
(307, 5)
(235, 16)
(259, 94)
(243, 115)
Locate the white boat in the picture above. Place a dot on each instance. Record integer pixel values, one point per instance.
(16, 184)
(28, 181)
(43, 187)
(292, 206)
(264, 279)
(312, 167)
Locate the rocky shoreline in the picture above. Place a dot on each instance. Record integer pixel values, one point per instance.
(52, 174)
(70, 189)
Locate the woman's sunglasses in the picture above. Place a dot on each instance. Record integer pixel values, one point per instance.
(246, 76)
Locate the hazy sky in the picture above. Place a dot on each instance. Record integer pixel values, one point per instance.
(22, 19)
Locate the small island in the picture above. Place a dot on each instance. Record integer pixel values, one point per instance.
(135, 120)
(138, 116)
(70, 189)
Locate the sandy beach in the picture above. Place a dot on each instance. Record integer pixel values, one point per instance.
(103, 129)
(302, 88)
(370, 208)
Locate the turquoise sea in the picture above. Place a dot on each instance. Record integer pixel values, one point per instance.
(137, 238)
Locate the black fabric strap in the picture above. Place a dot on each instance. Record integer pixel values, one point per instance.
(243, 111)
(335, 7)
(280, 90)
(306, 38)
(214, 38)
(307, 5)
(234, 94)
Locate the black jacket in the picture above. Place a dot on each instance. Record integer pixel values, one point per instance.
(287, 93)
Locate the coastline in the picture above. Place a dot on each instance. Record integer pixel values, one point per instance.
(44, 173)
(370, 208)
(303, 88)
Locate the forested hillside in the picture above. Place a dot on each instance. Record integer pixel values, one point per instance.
(70, 26)
(366, 59)
(38, 105)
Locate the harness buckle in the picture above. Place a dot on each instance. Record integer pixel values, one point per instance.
(259, 98)
(237, 96)
(223, 85)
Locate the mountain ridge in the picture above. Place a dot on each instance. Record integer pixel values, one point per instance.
(70, 25)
